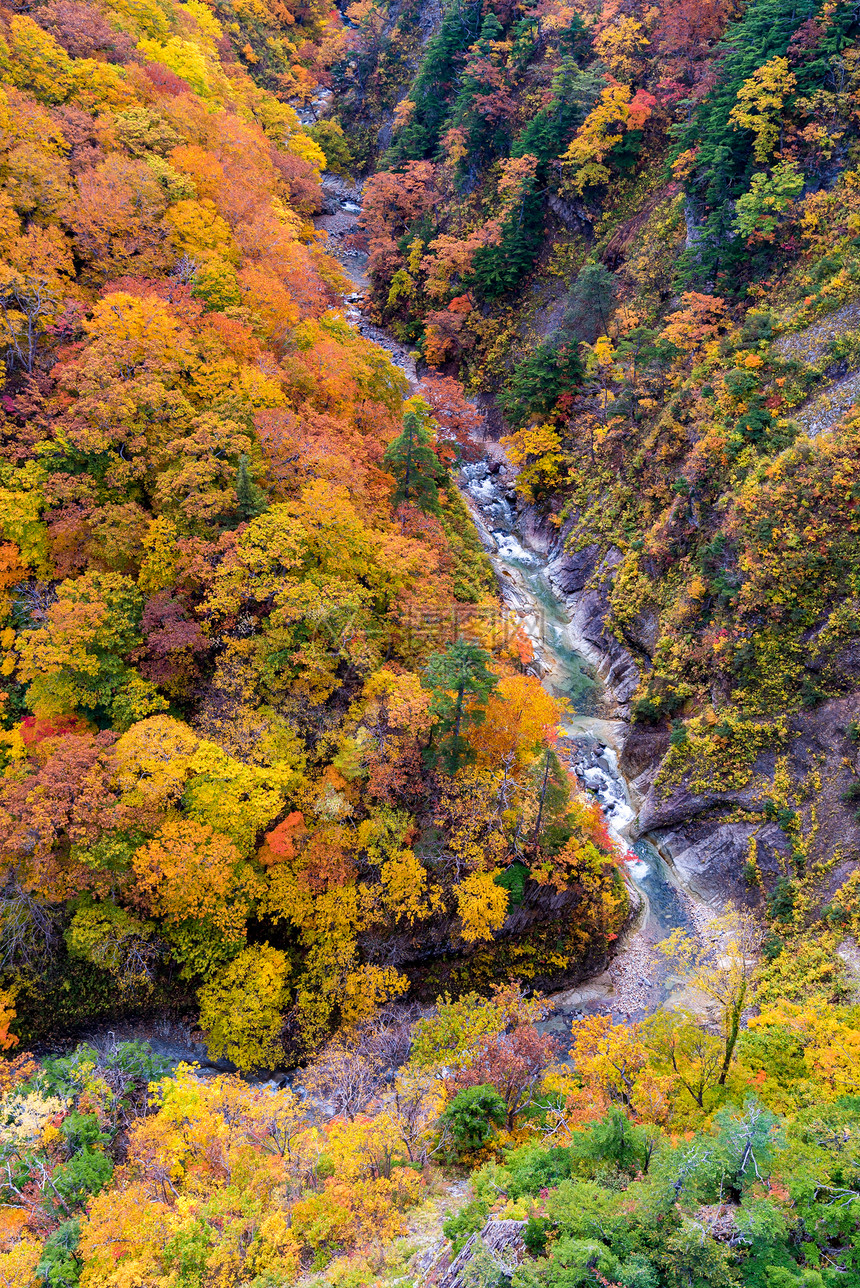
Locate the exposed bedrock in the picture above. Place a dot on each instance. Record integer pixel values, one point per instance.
(707, 834)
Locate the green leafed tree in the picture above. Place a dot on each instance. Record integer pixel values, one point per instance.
(472, 1117)
(250, 499)
(770, 195)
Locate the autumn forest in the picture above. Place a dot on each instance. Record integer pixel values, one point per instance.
(304, 849)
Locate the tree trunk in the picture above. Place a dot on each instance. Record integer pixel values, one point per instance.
(542, 799)
(732, 1037)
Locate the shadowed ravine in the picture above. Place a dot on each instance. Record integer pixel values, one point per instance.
(591, 743)
(635, 984)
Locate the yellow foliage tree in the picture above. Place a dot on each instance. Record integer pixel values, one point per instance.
(520, 717)
(482, 906)
(404, 884)
(158, 569)
(450, 1038)
(596, 137)
(760, 104)
(537, 453)
(621, 44)
(215, 1155)
(189, 871)
(722, 968)
(239, 799)
(33, 61)
(21, 523)
(7, 1015)
(153, 760)
(366, 989)
(198, 230)
(186, 59)
(241, 1011)
(130, 335)
(829, 1035)
(609, 1057)
(18, 1264)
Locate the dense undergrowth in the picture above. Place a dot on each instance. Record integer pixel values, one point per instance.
(658, 1156)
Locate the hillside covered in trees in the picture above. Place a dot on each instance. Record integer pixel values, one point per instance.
(633, 232)
(254, 753)
(275, 758)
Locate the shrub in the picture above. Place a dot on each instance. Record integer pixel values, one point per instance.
(472, 1117)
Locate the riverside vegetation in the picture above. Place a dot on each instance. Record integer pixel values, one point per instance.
(272, 756)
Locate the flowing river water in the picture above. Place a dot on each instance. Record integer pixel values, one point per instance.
(635, 983)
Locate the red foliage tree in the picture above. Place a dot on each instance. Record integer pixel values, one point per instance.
(458, 421)
(67, 798)
(392, 202)
(513, 1063)
(164, 80)
(172, 643)
(84, 33)
(686, 35)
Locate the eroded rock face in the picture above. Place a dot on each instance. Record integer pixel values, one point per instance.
(709, 856)
(613, 662)
(672, 808)
(436, 945)
(707, 834)
(570, 213)
(571, 573)
(500, 1244)
(644, 749)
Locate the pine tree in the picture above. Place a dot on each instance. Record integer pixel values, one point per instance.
(415, 466)
(440, 67)
(552, 368)
(461, 671)
(250, 500)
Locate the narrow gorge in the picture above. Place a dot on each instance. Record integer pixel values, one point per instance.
(429, 644)
(547, 593)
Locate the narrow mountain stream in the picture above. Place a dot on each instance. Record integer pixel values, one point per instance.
(635, 984)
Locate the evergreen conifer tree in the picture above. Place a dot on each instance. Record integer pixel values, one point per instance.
(250, 500)
(415, 466)
(459, 673)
